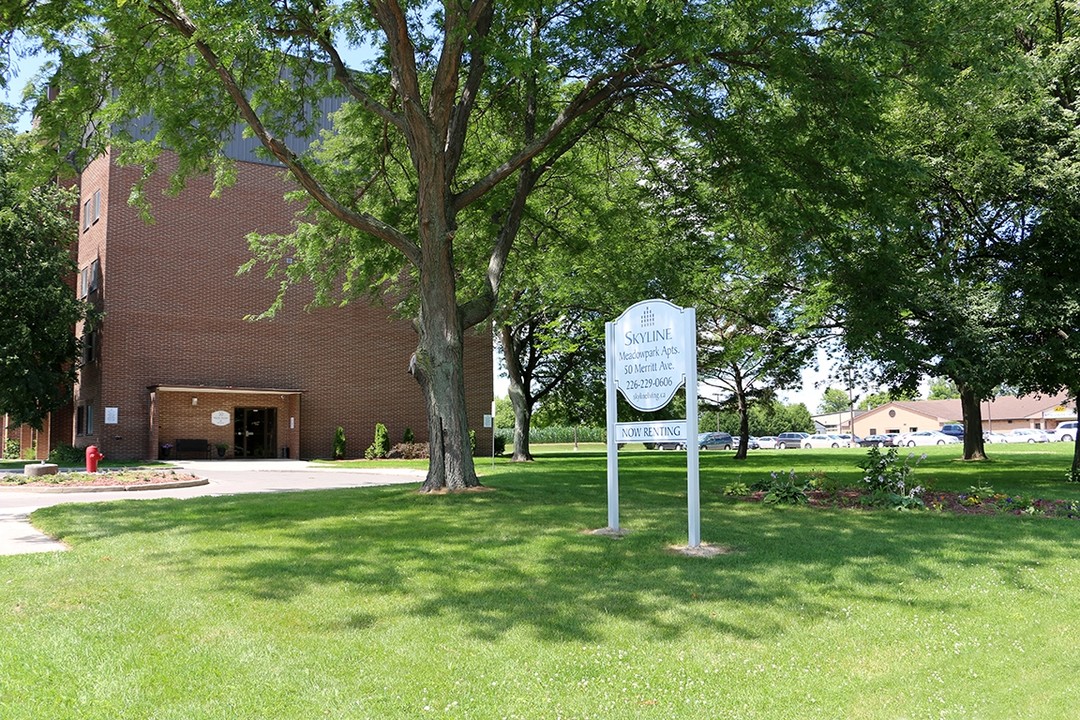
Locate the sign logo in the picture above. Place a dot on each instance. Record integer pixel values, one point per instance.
(650, 354)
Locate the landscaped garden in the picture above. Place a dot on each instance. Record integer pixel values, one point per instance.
(383, 603)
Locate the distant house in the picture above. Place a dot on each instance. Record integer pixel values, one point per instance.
(838, 422)
(1000, 414)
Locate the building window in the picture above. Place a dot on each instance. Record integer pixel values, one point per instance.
(89, 279)
(90, 349)
(95, 276)
(873, 431)
(86, 216)
(97, 205)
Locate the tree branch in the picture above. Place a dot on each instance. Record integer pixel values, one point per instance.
(173, 14)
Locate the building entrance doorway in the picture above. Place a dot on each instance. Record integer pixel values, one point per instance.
(255, 432)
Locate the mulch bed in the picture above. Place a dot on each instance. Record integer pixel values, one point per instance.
(105, 478)
(951, 502)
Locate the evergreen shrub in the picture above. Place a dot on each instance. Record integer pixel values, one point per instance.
(339, 443)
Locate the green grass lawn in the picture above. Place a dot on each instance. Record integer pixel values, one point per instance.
(381, 603)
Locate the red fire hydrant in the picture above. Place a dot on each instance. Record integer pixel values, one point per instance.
(92, 457)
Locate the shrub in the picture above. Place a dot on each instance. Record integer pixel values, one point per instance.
(500, 445)
(888, 480)
(339, 443)
(67, 456)
(785, 489)
(407, 437)
(736, 489)
(408, 451)
(472, 442)
(977, 494)
(381, 446)
(12, 449)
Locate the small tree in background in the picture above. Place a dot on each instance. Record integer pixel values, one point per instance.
(339, 443)
(381, 446)
(834, 400)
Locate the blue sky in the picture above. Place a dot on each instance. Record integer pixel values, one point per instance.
(25, 68)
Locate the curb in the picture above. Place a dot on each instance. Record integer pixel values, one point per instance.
(105, 488)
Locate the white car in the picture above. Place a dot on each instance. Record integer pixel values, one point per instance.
(1065, 432)
(925, 437)
(994, 437)
(1028, 435)
(822, 440)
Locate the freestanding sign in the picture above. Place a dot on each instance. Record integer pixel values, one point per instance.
(651, 352)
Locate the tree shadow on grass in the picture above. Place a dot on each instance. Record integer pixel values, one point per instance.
(519, 559)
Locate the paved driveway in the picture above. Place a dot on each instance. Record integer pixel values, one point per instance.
(226, 477)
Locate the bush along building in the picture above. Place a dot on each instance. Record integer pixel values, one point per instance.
(175, 370)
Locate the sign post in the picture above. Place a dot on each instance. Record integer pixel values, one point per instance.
(651, 351)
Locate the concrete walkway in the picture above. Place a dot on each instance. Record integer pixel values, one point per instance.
(226, 477)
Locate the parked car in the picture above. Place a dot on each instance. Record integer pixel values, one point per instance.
(925, 437)
(954, 429)
(715, 441)
(1065, 432)
(1028, 435)
(848, 440)
(994, 437)
(885, 440)
(789, 440)
(751, 442)
(667, 445)
(822, 440)
(767, 441)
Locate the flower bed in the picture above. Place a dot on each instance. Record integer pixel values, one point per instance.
(970, 503)
(109, 478)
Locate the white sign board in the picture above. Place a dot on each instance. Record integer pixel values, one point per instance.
(220, 418)
(112, 415)
(651, 432)
(650, 352)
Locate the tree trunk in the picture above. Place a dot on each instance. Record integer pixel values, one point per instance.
(439, 365)
(974, 447)
(744, 416)
(1076, 434)
(519, 397)
(522, 425)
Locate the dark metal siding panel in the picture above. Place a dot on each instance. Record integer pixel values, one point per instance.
(248, 149)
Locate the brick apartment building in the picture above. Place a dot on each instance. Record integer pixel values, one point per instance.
(174, 358)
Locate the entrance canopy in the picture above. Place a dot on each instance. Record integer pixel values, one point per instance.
(233, 422)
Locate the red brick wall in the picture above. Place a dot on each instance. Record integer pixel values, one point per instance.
(175, 313)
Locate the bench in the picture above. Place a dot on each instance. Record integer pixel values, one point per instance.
(190, 445)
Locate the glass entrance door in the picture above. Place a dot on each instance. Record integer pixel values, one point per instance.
(255, 432)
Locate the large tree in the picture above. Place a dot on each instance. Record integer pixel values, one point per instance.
(1044, 285)
(38, 309)
(444, 135)
(921, 291)
(580, 261)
